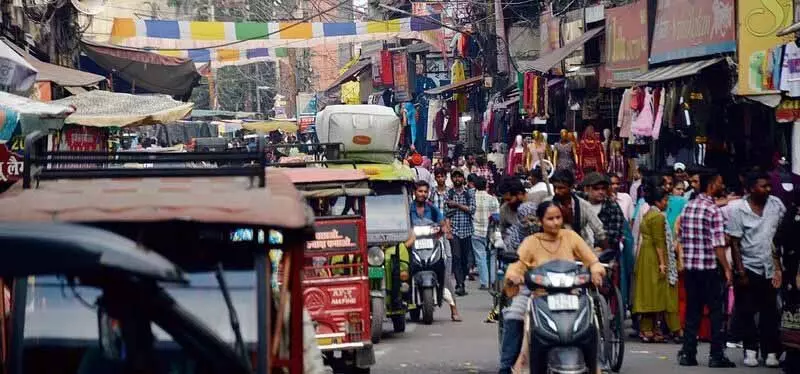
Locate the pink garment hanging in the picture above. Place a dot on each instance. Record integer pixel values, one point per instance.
(514, 158)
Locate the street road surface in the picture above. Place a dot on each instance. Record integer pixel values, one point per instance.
(471, 347)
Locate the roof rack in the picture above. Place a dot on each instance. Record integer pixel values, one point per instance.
(49, 165)
(320, 151)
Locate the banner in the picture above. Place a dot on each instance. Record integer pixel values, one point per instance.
(402, 89)
(758, 23)
(694, 28)
(626, 44)
(11, 166)
(788, 110)
(333, 236)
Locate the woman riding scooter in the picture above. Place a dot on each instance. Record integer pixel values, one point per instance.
(553, 243)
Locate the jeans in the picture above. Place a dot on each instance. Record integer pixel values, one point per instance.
(479, 248)
(703, 288)
(758, 296)
(511, 344)
(462, 247)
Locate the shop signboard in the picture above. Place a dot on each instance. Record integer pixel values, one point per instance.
(788, 110)
(306, 104)
(402, 89)
(694, 28)
(626, 44)
(11, 166)
(758, 45)
(305, 123)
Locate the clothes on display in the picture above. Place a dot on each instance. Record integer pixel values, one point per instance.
(591, 155)
(565, 153)
(625, 114)
(534, 94)
(516, 155)
(538, 149)
(434, 109)
(616, 161)
(696, 108)
(790, 70)
(648, 121)
(457, 74)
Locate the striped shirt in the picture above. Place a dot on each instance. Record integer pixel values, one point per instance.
(702, 230)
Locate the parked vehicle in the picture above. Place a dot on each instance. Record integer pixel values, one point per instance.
(336, 287)
(427, 270)
(178, 212)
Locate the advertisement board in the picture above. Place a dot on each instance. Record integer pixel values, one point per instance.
(626, 44)
(758, 45)
(694, 28)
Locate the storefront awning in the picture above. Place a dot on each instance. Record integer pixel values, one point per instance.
(545, 63)
(455, 86)
(110, 109)
(30, 114)
(351, 73)
(685, 69)
(272, 125)
(62, 76)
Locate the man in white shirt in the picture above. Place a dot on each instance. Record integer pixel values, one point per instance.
(624, 200)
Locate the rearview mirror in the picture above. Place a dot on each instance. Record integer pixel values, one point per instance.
(110, 335)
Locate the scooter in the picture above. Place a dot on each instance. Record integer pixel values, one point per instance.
(563, 334)
(427, 272)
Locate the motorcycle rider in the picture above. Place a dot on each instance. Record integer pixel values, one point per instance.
(552, 243)
(422, 211)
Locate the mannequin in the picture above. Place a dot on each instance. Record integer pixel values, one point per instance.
(538, 149)
(607, 141)
(565, 153)
(616, 161)
(516, 155)
(591, 151)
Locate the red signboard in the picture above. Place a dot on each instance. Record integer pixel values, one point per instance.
(402, 90)
(693, 28)
(11, 165)
(626, 43)
(386, 68)
(788, 110)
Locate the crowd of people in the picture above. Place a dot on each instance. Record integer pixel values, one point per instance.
(696, 259)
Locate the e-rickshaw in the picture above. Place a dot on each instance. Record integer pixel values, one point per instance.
(194, 216)
(388, 228)
(336, 286)
(122, 279)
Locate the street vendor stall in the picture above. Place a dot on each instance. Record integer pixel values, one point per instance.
(22, 116)
(271, 125)
(110, 109)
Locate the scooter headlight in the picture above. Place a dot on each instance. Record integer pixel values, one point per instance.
(375, 256)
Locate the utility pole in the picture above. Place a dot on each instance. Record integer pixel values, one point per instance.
(500, 30)
(212, 77)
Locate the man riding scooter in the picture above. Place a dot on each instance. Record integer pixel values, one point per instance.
(422, 210)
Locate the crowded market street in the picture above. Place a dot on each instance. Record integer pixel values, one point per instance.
(471, 347)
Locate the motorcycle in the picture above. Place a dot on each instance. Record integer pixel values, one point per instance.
(563, 334)
(427, 272)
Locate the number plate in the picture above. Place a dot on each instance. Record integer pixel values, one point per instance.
(375, 272)
(424, 244)
(562, 302)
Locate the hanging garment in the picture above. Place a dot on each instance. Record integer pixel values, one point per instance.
(777, 58)
(541, 95)
(440, 124)
(697, 108)
(652, 111)
(796, 149)
(625, 114)
(451, 130)
(515, 158)
(591, 155)
(670, 104)
(566, 156)
(387, 73)
(521, 89)
(434, 108)
(488, 120)
(790, 70)
(410, 118)
(457, 75)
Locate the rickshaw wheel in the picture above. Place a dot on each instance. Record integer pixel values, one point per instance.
(378, 312)
(399, 323)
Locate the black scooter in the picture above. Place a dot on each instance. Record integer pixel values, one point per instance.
(427, 271)
(563, 334)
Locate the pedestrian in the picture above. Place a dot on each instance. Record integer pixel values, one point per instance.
(655, 288)
(786, 240)
(702, 229)
(624, 200)
(485, 206)
(753, 223)
(421, 173)
(513, 194)
(607, 210)
(578, 214)
(460, 210)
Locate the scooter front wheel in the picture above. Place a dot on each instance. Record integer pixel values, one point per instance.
(427, 306)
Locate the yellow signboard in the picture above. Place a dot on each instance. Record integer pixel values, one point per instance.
(758, 22)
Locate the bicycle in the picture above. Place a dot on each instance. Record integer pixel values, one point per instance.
(611, 315)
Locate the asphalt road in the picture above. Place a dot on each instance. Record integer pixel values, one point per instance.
(471, 347)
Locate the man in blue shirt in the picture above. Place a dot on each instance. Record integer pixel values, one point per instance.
(421, 209)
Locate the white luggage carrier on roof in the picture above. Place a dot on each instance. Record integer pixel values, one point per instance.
(368, 132)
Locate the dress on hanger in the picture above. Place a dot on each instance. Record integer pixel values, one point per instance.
(625, 114)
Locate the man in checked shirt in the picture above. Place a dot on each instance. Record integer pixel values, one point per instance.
(702, 236)
(460, 211)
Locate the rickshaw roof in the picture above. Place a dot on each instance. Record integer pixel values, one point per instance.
(393, 172)
(76, 250)
(210, 200)
(311, 175)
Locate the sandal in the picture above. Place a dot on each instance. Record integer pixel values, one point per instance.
(658, 338)
(646, 337)
(455, 317)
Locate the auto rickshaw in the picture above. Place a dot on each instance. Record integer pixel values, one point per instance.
(388, 227)
(348, 315)
(194, 216)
